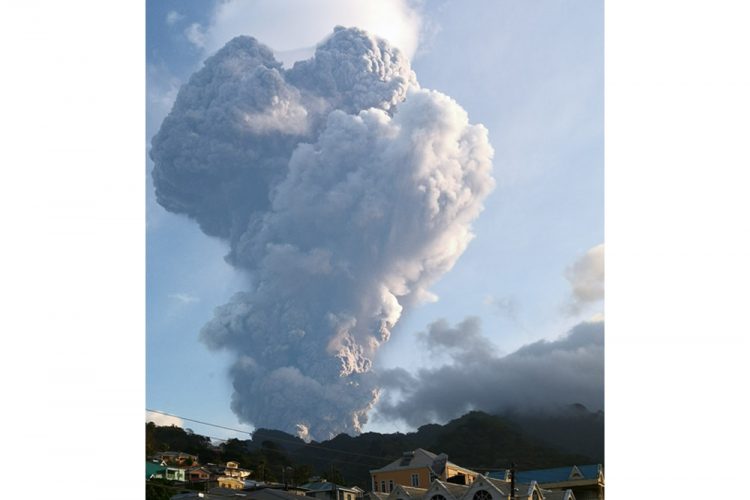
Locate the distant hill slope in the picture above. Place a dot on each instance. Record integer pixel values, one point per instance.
(573, 430)
(476, 440)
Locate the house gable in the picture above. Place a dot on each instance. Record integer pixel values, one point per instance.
(532, 491)
(575, 473)
(398, 493)
(401, 492)
(482, 484)
(438, 489)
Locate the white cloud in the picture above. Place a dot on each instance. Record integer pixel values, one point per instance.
(596, 318)
(196, 35)
(183, 297)
(173, 17)
(292, 27)
(163, 420)
(586, 277)
(506, 307)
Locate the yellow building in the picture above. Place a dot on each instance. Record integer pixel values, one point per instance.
(234, 476)
(233, 470)
(232, 483)
(417, 469)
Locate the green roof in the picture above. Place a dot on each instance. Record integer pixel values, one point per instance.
(152, 468)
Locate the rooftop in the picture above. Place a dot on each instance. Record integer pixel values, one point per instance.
(420, 458)
(556, 494)
(560, 474)
(412, 491)
(273, 494)
(152, 468)
(324, 486)
(457, 490)
(502, 475)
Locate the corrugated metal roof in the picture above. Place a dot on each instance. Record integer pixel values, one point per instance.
(324, 486)
(555, 494)
(152, 468)
(502, 475)
(558, 474)
(413, 491)
(420, 458)
(457, 490)
(273, 494)
(499, 483)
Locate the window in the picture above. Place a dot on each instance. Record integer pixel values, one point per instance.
(374, 485)
(482, 495)
(382, 486)
(390, 485)
(415, 480)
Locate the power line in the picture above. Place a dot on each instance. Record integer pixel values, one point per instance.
(323, 448)
(308, 445)
(300, 453)
(309, 455)
(200, 422)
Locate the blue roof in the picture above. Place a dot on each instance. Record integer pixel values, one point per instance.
(324, 486)
(558, 474)
(498, 474)
(318, 486)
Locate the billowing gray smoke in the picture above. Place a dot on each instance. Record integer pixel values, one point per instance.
(541, 377)
(343, 189)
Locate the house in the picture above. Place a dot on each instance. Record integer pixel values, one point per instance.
(502, 475)
(482, 488)
(585, 481)
(232, 483)
(485, 488)
(197, 474)
(273, 494)
(445, 490)
(374, 495)
(324, 490)
(406, 493)
(418, 469)
(234, 477)
(154, 470)
(213, 494)
(233, 469)
(223, 494)
(177, 458)
(174, 474)
(558, 494)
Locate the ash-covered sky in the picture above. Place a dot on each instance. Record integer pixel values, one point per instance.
(345, 197)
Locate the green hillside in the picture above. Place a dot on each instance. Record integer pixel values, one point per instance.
(476, 440)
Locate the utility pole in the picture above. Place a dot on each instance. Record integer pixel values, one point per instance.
(512, 481)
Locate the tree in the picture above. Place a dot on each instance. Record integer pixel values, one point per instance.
(334, 476)
(301, 474)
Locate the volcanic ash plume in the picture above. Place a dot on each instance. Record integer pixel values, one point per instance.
(343, 189)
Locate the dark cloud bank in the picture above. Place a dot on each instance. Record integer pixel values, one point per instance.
(344, 190)
(545, 376)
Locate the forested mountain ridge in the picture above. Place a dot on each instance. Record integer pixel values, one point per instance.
(477, 440)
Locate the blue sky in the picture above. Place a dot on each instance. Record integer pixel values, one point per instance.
(677, 125)
(531, 72)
